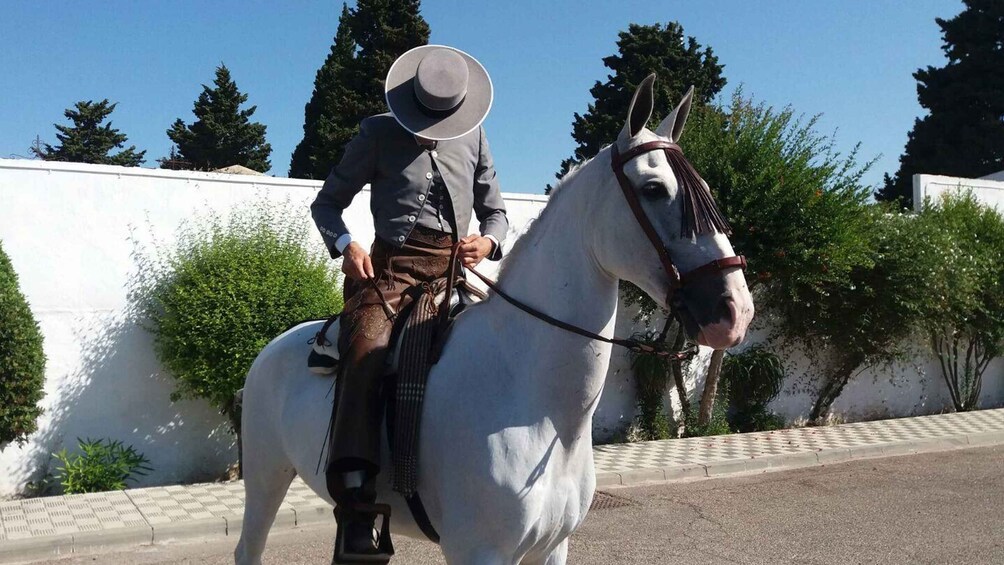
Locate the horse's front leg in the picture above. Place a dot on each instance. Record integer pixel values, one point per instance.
(558, 556)
(476, 556)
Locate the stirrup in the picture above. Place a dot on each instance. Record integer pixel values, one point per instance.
(385, 547)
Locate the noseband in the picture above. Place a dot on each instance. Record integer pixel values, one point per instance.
(676, 280)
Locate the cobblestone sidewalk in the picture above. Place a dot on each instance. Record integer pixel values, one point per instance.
(41, 527)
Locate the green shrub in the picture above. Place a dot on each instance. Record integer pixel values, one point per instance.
(651, 377)
(22, 361)
(101, 465)
(227, 289)
(964, 310)
(754, 378)
(717, 425)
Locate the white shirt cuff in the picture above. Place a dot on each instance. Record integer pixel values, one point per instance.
(342, 242)
(495, 241)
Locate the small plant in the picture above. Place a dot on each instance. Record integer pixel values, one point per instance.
(754, 378)
(717, 424)
(652, 374)
(101, 465)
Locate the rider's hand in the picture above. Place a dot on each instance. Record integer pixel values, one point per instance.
(473, 249)
(356, 263)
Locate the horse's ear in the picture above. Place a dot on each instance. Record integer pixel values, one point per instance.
(640, 109)
(672, 126)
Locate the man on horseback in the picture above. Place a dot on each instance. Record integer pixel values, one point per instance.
(428, 165)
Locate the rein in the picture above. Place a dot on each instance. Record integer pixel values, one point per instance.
(631, 344)
(677, 281)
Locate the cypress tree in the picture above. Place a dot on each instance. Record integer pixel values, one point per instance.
(331, 99)
(22, 360)
(222, 134)
(87, 141)
(349, 87)
(963, 132)
(642, 50)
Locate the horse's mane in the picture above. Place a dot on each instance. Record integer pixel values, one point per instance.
(700, 212)
(532, 233)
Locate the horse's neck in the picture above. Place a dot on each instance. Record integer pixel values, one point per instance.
(555, 272)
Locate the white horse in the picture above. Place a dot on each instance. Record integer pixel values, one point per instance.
(506, 462)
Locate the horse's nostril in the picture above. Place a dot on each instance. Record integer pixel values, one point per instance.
(727, 310)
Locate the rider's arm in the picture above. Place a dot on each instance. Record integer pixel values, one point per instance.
(488, 205)
(354, 171)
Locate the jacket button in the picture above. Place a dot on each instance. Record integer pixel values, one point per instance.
(400, 238)
(435, 153)
(411, 218)
(421, 198)
(428, 175)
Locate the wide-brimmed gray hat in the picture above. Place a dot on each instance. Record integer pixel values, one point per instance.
(438, 92)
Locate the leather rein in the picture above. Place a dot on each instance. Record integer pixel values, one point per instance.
(677, 281)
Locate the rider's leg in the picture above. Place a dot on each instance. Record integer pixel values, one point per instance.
(354, 451)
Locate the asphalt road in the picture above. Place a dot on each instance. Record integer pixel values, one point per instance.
(943, 507)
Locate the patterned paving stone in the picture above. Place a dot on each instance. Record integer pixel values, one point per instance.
(193, 507)
(690, 451)
(35, 517)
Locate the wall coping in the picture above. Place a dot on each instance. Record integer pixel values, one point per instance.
(254, 180)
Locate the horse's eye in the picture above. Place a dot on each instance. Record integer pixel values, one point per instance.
(653, 190)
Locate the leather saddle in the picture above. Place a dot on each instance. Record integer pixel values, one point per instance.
(324, 356)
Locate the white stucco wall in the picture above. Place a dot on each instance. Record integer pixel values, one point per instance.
(70, 230)
(989, 190)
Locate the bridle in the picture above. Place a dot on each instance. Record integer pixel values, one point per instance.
(677, 281)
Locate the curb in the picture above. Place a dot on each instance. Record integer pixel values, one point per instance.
(789, 461)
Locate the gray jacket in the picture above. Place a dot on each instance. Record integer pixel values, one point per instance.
(399, 173)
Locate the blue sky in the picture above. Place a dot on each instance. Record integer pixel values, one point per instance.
(851, 61)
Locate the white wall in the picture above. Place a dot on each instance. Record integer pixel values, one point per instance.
(71, 230)
(986, 190)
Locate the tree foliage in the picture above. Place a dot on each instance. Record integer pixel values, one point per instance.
(964, 312)
(227, 289)
(22, 361)
(88, 141)
(963, 133)
(222, 133)
(642, 50)
(349, 86)
(799, 213)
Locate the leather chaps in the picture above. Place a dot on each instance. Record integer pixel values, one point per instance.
(366, 324)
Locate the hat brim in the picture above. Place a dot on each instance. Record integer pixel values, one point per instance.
(460, 121)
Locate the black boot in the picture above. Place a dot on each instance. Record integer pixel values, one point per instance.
(357, 541)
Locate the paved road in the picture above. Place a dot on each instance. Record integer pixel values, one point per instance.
(933, 508)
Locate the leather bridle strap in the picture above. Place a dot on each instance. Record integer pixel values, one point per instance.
(618, 162)
(676, 280)
(713, 267)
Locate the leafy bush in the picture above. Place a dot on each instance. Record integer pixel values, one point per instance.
(964, 311)
(798, 210)
(754, 378)
(226, 290)
(22, 361)
(651, 376)
(101, 465)
(716, 425)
